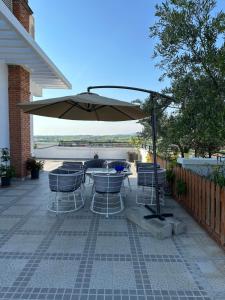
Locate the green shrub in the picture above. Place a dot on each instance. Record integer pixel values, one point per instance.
(181, 187)
(170, 175)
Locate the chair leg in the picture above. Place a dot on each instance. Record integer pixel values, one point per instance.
(124, 189)
(107, 205)
(82, 198)
(128, 180)
(121, 202)
(92, 188)
(92, 202)
(137, 195)
(57, 203)
(75, 201)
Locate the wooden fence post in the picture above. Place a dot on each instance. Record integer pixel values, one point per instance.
(222, 236)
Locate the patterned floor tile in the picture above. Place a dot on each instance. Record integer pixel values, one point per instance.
(10, 269)
(67, 244)
(8, 223)
(170, 276)
(112, 244)
(18, 210)
(123, 275)
(15, 192)
(75, 225)
(151, 246)
(6, 199)
(112, 225)
(22, 243)
(82, 255)
(215, 275)
(55, 274)
(39, 223)
(102, 275)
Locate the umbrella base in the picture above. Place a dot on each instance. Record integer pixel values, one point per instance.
(161, 217)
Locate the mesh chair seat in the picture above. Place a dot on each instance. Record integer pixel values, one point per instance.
(73, 168)
(145, 166)
(107, 186)
(146, 178)
(123, 163)
(95, 163)
(75, 164)
(65, 182)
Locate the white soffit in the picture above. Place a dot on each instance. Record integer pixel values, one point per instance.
(17, 47)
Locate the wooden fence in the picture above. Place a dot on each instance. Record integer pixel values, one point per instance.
(204, 200)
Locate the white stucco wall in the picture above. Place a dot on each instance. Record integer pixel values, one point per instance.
(4, 115)
(82, 152)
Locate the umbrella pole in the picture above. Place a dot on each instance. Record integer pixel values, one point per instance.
(156, 214)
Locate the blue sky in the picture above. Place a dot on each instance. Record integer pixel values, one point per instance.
(97, 42)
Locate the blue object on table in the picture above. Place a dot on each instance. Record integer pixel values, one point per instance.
(119, 168)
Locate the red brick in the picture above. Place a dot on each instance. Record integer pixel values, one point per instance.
(22, 11)
(19, 123)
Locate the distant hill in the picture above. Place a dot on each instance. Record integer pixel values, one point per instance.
(84, 138)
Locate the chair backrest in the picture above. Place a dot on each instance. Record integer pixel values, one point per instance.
(145, 166)
(104, 183)
(59, 181)
(95, 163)
(67, 169)
(115, 163)
(147, 178)
(76, 164)
(72, 167)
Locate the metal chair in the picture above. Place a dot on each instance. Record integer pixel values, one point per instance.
(123, 163)
(64, 184)
(107, 188)
(95, 163)
(76, 164)
(149, 166)
(146, 179)
(73, 167)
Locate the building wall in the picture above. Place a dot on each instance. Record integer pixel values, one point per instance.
(19, 91)
(4, 116)
(83, 153)
(19, 122)
(22, 12)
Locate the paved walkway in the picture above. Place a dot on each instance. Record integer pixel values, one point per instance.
(85, 256)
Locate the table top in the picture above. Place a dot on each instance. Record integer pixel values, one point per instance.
(91, 171)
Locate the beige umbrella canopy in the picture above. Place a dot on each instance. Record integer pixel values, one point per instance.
(85, 107)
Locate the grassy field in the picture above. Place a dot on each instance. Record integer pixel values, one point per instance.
(84, 138)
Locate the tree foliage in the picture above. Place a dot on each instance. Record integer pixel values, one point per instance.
(191, 52)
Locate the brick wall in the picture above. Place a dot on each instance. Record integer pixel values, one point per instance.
(19, 91)
(22, 12)
(19, 123)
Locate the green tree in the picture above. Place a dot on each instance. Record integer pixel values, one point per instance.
(191, 51)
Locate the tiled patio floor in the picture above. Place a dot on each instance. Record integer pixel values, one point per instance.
(85, 256)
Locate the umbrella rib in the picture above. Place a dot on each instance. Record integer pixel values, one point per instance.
(98, 107)
(73, 105)
(68, 109)
(125, 114)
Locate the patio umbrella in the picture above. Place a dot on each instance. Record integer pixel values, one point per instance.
(86, 107)
(92, 107)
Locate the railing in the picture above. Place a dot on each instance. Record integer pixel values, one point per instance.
(204, 200)
(94, 144)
